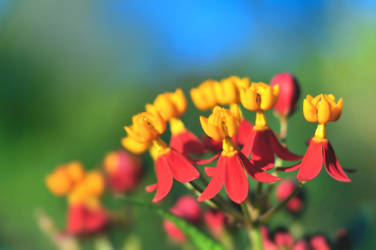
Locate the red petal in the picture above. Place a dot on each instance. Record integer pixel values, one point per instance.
(96, 220)
(212, 145)
(257, 173)
(210, 171)
(76, 219)
(311, 164)
(181, 168)
(289, 169)
(260, 149)
(164, 179)
(206, 161)
(236, 181)
(186, 143)
(281, 151)
(151, 188)
(332, 165)
(216, 182)
(245, 129)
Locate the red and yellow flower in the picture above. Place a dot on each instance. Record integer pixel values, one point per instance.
(221, 125)
(85, 212)
(169, 163)
(261, 142)
(172, 105)
(321, 109)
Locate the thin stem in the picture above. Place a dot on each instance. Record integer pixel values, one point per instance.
(283, 128)
(274, 210)
(246, 213)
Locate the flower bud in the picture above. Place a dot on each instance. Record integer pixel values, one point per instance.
(319, 242)
(187, 208)
(123, 171)
(215, 221)
(289, 93)
(284, 189)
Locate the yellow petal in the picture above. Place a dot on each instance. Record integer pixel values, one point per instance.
(75, 171)
(94, 183)
(309, 111)
(134, 146)
(165, 107)
(323, 111)
(198, 100)
(248, 98)
(336, 110)
(179, 100)
(209, 129)
(59, 183)
(267, 99)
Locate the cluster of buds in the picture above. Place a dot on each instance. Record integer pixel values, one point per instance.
(284, 189)
(189, 209)
(86, 214)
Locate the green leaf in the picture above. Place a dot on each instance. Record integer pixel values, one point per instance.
(198, 238)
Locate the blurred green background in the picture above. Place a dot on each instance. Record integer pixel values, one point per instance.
(73, 72)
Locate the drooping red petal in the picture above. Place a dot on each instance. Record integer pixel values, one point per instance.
(257, 173)
(281, 151)
(210, 171)
(181, 168)
(311, 164)
(260, 149)
(332, 165)
(212, 145)
(236, 181)
(216, 182)
(245, 129)
(186, 143)
(164, 178)
(76, 219)
(289, 169)
(206, 161)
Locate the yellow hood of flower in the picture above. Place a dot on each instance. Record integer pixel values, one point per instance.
(221, 124)
(146, 127)
(203, 96)
(322, 108)
(169, 105)
(227, 90)
(259, 96)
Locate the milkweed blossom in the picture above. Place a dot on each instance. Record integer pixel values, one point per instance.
(320, 109)
(261, 142)
(86, 215)
(169, 164)
(221, 125)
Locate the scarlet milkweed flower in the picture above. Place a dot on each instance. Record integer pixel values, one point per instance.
(187, 208)
(321, 109)
(124, 171)
(168, 163)
(171, 105)
(221, 125)
(85, 213)
(289, 92)
(261, 142)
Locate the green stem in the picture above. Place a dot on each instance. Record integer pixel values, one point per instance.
(256, 238)
(273, 211)
(246, 213)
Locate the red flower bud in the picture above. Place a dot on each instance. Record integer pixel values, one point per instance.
(319, 242)
(187, 208)
(289, 92)
(124, 171)
(215, 221)
(284, 189)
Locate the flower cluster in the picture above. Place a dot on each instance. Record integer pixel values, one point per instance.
(232, 152)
